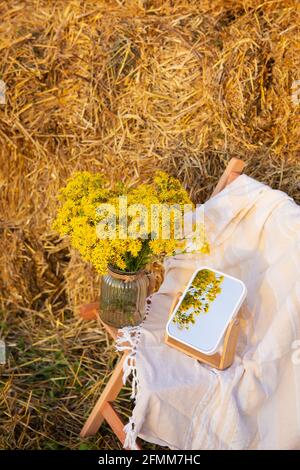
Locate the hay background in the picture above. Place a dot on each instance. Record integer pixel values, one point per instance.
(124, 87)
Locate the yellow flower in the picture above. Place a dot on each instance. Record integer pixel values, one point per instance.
(78, 218)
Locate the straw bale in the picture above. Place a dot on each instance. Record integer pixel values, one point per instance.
(123, 87)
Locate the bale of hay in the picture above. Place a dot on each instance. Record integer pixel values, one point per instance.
(123, 87)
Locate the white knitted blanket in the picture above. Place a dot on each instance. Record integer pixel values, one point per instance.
(254, 233)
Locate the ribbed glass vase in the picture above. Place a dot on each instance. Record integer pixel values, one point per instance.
(123, 297)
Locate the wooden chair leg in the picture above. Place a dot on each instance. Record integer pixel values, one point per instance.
(109, 394)
(113, 419)
(233, 170)
(117, 424)
(104, 408)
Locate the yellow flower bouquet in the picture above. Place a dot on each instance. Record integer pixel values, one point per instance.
(120, 229)
(78, 217)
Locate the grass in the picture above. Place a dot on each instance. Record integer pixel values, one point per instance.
(51, 382)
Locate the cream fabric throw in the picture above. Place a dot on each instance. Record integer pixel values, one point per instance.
(254, 233)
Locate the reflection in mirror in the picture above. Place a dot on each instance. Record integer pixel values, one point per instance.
(206, 286)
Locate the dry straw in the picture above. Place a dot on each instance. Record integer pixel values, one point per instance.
(122, 87)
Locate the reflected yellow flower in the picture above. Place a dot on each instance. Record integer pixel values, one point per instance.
(203, 291)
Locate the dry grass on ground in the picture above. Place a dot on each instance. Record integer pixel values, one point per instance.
(124, 87)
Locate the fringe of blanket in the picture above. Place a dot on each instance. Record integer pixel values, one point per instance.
(129, 341)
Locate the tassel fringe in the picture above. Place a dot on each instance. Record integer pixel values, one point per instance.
(129, 340)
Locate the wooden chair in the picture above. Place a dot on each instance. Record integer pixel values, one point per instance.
(104, 408)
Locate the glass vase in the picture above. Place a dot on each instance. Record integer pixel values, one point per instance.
(123, 297)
